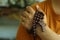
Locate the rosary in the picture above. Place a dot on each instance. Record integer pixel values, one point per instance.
(37, 20)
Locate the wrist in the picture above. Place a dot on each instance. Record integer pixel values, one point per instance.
(48, 32)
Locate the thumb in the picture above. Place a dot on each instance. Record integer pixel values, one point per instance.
(39, 9)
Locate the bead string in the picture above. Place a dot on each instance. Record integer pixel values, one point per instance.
(37, 18)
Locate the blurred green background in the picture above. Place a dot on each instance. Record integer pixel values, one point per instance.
(9, 27)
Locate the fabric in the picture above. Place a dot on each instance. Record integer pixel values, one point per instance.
(52, 19)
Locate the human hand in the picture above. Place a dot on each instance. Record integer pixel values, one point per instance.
(27, 17)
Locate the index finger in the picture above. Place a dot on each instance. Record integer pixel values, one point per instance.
(30, 10)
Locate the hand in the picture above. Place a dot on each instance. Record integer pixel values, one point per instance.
(26, 20)
(27, 17)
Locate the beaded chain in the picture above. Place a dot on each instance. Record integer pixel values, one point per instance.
(38, 17)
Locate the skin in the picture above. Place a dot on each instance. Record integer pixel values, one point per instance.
(48, 34)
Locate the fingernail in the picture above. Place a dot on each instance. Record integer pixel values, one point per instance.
(37, 6)
(27, 7)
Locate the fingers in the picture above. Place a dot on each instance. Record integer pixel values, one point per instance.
(29, 16)
(25, 14)
(25, 22)
(30, 10)
(22, 19)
